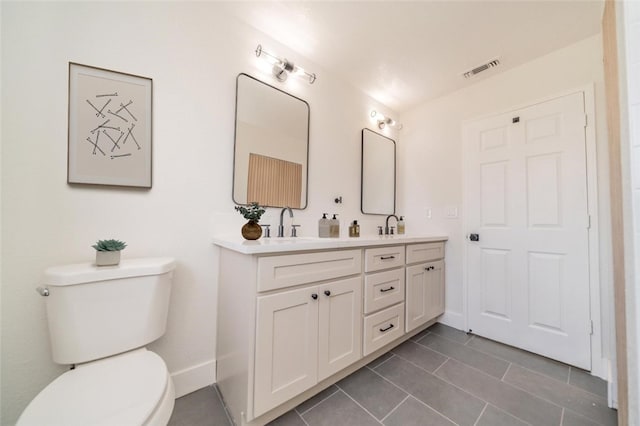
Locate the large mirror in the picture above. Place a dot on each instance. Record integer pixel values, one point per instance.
(378, 174)
(271, 146)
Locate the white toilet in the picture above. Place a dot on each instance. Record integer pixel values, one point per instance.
(99, 319)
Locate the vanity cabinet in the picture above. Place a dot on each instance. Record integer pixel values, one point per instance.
(424, 284)
(292, 322)
(304, 336)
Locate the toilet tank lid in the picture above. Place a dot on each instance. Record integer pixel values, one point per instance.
(80, 273)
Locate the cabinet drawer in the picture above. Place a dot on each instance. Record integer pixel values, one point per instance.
(425, 252)
(383, 289)
(382, 328)
(276, 272)
(377, 259)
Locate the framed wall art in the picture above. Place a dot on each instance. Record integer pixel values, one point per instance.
(110, 133)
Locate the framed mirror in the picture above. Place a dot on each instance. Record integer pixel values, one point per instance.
(271, 155)
(378, 174)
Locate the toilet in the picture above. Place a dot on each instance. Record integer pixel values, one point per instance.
(99, 319)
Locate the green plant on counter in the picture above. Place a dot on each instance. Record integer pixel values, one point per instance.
(109, 245)
(253, 212)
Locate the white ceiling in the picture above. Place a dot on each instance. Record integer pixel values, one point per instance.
(405, 53)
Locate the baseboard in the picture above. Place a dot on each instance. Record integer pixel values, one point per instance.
(193, 378)
(452, 319)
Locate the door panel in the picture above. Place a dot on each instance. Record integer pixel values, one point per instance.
(528, 275)
(286, 347)
(340, 326)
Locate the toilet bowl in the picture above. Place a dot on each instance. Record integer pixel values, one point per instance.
(134, 388)
(99, 319)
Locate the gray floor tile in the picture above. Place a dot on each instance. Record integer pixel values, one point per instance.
(455, 404)
(584, 403)
(526, 359)
(374, 393)
(514, 401)
(338, 409)
(450, 333)
(316, 399)
(420, 355)
(569, 418)
(200, 408)
(493, 416)
(489, 364)
(414, 413)
(290, 418)
(380, 360)
(586, 381)
(420, 335)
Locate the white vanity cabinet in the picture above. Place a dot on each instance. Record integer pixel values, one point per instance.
(293, 318)
(424, 283)
(304, 336)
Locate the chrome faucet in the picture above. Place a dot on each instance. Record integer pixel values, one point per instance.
(281, 226)
(386, 224)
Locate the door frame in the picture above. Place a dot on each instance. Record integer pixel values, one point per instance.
(600, 313)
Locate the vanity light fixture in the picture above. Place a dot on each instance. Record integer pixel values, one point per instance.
(282, 67)
(384, 121)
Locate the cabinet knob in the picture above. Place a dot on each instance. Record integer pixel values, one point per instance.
(314, 296)
(327, 293)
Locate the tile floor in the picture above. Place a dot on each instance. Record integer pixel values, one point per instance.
(439, 377)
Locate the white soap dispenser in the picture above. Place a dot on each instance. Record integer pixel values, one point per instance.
(323, 226)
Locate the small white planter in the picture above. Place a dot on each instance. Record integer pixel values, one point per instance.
(107, 258)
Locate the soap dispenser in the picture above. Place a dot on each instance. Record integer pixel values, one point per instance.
(401, 225)
(354, 229)
(334, 227)
(323, 227)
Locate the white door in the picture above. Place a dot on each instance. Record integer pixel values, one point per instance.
(528, 273)
(286, 347)
(340, 326)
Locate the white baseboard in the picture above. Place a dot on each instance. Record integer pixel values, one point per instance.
(193, 378)
(452, 319)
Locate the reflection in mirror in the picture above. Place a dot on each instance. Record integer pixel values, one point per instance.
(378, 173)
(271, 146)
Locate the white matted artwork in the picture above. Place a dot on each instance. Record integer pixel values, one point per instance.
(110, 136)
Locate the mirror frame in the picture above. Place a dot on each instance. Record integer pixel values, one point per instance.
(395, 177)
(305, 201)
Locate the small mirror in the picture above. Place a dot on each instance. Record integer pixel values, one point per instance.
(378, 174)
(271, 146)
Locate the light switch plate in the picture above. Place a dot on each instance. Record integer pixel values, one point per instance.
(451, 212)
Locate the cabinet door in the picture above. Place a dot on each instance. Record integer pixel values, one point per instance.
(340, 325)
(286, 346)
(425, 293)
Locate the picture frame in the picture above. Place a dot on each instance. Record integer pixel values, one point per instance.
(109, 127)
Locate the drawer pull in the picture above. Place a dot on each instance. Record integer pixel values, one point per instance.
(327, 293)
(314, 296)
(387, 329)
(383, 290)
(387, 257)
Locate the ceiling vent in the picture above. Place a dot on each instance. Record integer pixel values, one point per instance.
(480, 68)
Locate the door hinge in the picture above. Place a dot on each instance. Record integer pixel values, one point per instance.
(585, 124)
(591, 325)
(588, 221)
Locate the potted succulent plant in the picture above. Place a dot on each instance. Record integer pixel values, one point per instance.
(251, 230)
(108, 252)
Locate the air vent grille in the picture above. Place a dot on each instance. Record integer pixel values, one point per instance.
(480, 68)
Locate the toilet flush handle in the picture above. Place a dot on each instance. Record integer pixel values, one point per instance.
(42, 291)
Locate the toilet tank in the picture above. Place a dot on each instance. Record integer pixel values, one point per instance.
(94, 312)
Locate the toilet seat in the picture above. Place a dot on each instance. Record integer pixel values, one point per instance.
(133, 388)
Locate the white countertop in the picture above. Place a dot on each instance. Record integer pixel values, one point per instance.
(278, 245)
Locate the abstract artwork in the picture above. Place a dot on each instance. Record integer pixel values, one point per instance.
(110, 132)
